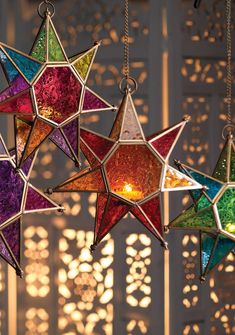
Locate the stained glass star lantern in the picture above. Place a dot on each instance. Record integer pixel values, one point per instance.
(129, 172)
(213, 211)
(17, 197)
(48, 92)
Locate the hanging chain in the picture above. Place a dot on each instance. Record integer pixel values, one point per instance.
(126, 41)
(229, 81)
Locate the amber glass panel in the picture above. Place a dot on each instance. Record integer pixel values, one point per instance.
(175, 179)
(133, 172)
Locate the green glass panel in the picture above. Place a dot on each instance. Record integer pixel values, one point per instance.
(55, 52)
(232, 166)
(196, 220)
(203, 203)
(222, 249)
(226, 208)
(39, 48)
(83, 64)
(220, 171)
(207, 245)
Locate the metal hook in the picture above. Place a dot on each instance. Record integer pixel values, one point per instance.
(197, 3)
(49, 9)
(128, 85)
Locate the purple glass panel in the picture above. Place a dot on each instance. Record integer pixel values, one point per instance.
(5, 253)
(71, 132)
(17, 86)
(11, 191)
(92, 102)
(12, 236)
(36, 201)
(26, 166)
(59, 140)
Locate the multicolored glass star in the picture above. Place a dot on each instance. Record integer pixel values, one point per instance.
(129, 172)
(213, 211)
(48, 92)
(17, 197)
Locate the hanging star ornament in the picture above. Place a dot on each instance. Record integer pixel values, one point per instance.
(129, 172)
(17, 197)
(47, 93)
(213, 211)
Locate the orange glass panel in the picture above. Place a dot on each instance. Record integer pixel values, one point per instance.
(174, 179)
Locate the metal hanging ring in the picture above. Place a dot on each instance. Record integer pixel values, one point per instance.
(49, 9)
(128, 85)
(228, 130)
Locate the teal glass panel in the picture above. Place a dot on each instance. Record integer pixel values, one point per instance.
(226, 209)
(203, 203)
(207, 245)
(26, 65)
(223, 248)
(9, 68)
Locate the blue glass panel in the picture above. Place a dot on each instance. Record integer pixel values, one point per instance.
(207, 244)
(223, 248)
(28, 66)
(10, 70)
(213, 186)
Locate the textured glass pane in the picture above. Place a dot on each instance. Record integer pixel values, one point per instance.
(55, 52)
(232, 166)
(9, 68)
(36, 201)
(20, 104)
(164, 144)
(99, 145)
(71, 132)
(220, 172)
(133, 172)
(226, 208)
(22, 135)
(207, 245)
(83, 64)
(5, 253)
(89, 155)
(39, 48)
(92, 102)
(58, 94)
(203, 203)
(153, 212)
(59, 140)
(223, 247)
(101, 205)
(26, 166)
(114, 212)
(89, 181)
(17, 86)
(40, 132)
(130, 126)
(11, 190)
(12, 236)
(200, 220)
(175, 179)
(213, 186)
(26, 65)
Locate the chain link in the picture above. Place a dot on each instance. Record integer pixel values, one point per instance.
(126, 41)
(229, 81)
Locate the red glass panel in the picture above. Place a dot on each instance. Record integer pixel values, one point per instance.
(133, 172)
(98, 144)
(20, 104)
(89, 155)
(58, 94)
(164, 143)
(114, 212)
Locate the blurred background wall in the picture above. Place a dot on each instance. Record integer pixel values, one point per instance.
(178, 59)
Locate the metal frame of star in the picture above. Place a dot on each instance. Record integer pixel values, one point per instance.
(68, 63)
(25, 178)
(163, 161)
